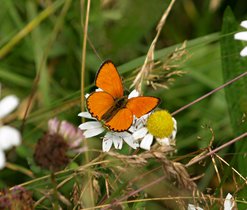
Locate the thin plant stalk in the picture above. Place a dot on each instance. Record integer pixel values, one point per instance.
(209, 93)
(148, 63)
(242, 136)
(55, 193)
(83, 64)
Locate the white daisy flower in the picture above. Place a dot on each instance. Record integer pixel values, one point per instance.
(91, 128)
(117, 138)
(159, 125)
(9, 136)
(242, 36)
(94, 127)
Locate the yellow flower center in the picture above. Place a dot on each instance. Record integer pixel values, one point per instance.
(160, 124)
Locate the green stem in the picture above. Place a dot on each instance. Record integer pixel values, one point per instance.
(55, 193)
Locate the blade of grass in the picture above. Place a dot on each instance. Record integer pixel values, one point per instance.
(38, 45)
(14, 14)
(44, 56)
(17, 79)
(29, 27)
(236, 95)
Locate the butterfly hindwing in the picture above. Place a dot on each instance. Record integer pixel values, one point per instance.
(98, 103)
(109, 80)
(111, 106)
(121, 121)
(142, 105)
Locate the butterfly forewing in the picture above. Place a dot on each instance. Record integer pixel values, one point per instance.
(121, 121)
(109, 80)
(142, 105)
(98, 103)
(111, 106)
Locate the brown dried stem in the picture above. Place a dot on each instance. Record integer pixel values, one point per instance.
(210, 93)
(148, 63)
(217, 149)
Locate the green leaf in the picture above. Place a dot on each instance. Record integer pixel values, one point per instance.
(236, 95)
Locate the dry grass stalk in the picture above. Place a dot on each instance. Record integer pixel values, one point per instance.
(164, 72)
(214, 162)
(148, 63)
(240, 175)
(242, 136)
(173, 170)
(89, 199)
(75, 197)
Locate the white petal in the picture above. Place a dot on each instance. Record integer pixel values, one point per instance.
(121, 134)
(138, 123)
(140, 133)
(118, 142)
(243, 53)
(128, 138)
(9, 137)
(145, 117)
(107, 142)
(109, 135)
(134, 93)
(244, 24)
(163, 141)
(93, 132)
(173, 135)
(7, 105)
(98, 90)
(146, 142)
(2, 159)
(86, 115)
(175, 123)
(241, 36)
(193, 207)
(228, 204)
(90, 125)
(132, 129)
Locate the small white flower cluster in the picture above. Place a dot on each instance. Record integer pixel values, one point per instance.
(243, 37)
(136, 133)
(9, 136)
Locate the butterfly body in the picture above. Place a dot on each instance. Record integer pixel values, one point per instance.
(110, 105)
(119, 103)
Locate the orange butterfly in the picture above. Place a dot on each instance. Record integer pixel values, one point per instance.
(111, 106)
